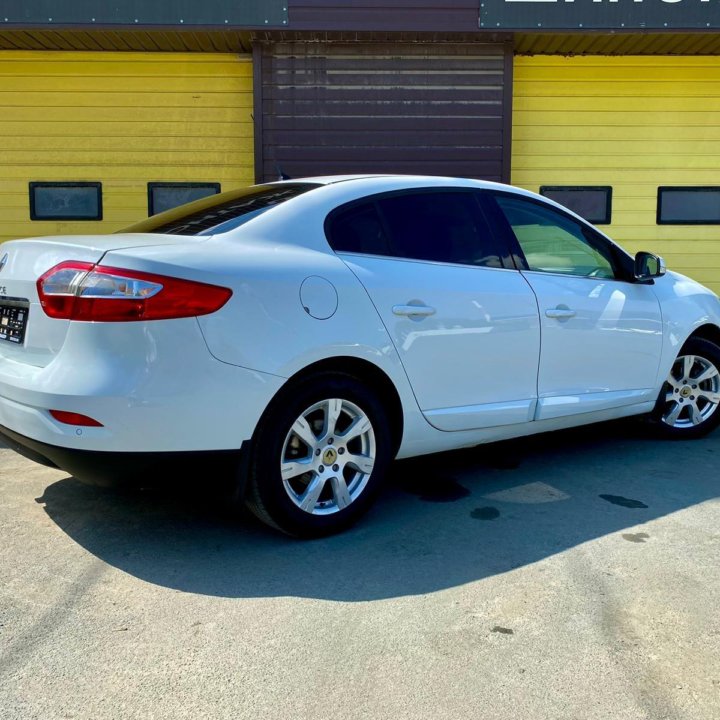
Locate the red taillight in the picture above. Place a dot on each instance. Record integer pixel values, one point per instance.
(71, 418)
(83, 291)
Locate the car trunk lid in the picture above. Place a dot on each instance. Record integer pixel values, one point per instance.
(27, 334)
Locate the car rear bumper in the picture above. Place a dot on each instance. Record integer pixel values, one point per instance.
(150, 392)
(218, 467)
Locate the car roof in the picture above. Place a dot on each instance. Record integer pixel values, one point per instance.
(331, 179)
(387, 180)
(418, 181)
(399, 177)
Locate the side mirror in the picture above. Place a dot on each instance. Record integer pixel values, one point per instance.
(648, 266)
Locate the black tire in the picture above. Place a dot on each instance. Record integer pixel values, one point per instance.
(275, 500)
(690, 399)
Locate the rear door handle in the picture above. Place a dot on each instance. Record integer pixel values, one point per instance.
(413, 310)
(561, 313)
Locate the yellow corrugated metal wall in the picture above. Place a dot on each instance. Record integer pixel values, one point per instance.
(123, 119)
(634, 123)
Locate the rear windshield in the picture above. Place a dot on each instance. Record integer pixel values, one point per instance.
(219, 213)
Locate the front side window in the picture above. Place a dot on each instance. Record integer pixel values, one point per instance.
(440, 226)
(555, 243)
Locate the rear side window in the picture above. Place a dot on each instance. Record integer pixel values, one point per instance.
(359, 229)
(437, 226)
(220, 213)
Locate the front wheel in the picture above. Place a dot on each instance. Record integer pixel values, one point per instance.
(319, 456)
(689, 400)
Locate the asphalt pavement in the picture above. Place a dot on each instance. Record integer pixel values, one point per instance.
(569, 576)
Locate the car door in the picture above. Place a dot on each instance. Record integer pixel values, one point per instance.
(601, 331)
(464, 324)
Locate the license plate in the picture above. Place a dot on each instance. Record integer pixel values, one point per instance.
(13, 320)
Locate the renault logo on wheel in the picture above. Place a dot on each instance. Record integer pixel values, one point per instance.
(3, 261)
(330, 456)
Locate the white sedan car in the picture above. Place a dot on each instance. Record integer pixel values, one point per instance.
(307, 332)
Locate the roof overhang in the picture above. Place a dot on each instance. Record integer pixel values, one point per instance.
(617, 43)
(229, 41)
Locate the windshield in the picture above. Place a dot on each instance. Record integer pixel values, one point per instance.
(220, 213)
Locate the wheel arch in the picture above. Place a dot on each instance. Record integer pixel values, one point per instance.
(703, 331)
(368, 373)
(708, 331)
(699, 419)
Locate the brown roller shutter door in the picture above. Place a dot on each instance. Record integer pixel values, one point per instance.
(425, 108)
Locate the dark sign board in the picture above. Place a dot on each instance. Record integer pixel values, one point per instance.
(231, 13)
(600, 14)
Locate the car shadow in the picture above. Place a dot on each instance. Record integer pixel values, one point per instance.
(443, 520)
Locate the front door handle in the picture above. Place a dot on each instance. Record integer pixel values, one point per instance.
(561, 312)
(414, 310)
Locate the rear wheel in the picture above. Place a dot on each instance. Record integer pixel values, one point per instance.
(689, 402)
(319, 456)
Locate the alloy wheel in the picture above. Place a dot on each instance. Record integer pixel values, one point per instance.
(692, 392)
(328, 456)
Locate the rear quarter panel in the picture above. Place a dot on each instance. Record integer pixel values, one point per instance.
(264, 327)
